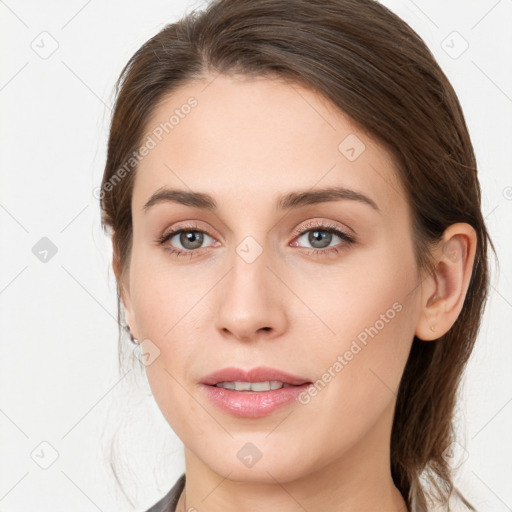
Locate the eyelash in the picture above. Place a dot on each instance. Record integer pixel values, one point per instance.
(312, 226)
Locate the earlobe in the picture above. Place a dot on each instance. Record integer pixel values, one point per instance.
(125, 295)
(128, 310)
(444, 291)
(125, 298)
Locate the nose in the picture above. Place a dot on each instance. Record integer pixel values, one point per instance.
(251, 301)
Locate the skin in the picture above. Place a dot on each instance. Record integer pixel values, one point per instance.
(248, 142)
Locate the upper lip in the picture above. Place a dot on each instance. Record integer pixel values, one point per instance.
(259, 374)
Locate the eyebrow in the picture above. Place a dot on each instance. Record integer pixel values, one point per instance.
(288, 201)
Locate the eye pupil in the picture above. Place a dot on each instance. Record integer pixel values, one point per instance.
(320, 236)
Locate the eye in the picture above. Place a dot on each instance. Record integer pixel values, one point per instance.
(190, 238)
(321, 235)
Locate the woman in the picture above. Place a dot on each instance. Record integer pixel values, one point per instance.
(300, 253)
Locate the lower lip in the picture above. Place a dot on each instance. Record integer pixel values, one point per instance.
(252, 404)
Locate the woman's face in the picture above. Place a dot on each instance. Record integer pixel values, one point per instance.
(246, 289)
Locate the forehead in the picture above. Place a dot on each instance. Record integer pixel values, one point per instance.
(259, 138)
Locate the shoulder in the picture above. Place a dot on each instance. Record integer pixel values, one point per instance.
(169, 501)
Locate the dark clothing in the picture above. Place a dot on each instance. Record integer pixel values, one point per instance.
(169, 501)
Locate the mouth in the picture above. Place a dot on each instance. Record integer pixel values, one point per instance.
(256, 379)
(253, 386)
(254, 393)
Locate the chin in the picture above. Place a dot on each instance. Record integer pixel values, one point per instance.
(245, 459)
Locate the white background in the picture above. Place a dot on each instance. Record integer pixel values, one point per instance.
(58, 369)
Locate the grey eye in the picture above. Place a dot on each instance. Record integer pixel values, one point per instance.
(190, 239)
(319, 238)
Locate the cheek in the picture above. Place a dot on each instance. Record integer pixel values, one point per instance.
(358, 378)
(367, 318)
(168, 311)
(365, 296)
(160, 296)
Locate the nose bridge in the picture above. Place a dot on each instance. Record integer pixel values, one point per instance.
(249, 299)
(248, 281)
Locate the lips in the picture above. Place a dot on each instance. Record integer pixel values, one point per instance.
(259, 374)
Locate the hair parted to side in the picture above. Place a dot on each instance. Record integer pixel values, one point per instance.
(376, 69)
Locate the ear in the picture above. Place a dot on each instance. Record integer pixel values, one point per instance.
(443, 292)
(124, 290)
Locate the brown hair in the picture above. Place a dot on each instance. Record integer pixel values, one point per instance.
(376, 69)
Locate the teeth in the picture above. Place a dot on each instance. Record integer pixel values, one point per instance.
(253, 386)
